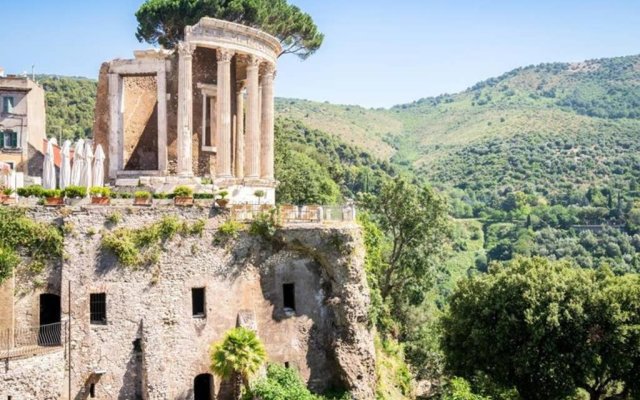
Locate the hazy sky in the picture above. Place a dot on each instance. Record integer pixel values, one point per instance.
(376, 52)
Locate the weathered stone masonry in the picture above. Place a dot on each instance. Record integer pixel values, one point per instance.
(152, 347)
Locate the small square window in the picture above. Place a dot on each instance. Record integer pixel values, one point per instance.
(198, 302)
(289, 296)
(98, 308)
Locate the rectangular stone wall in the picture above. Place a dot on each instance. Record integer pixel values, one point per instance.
(153, 304)
(140, 122)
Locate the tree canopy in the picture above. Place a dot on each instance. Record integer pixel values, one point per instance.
(163, 21)
(547, 328)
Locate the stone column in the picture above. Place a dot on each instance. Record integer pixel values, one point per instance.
(115, 123)
(240, 131)
(223, 136)
(252, 145)
(185, 109)
(266, 151)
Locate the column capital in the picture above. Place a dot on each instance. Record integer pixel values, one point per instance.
(186, 49)
(269, 69)
(253, 61)
(224, 55)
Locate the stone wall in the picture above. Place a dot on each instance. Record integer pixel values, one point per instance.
(140, 122)
(152, 347)
(41, 377)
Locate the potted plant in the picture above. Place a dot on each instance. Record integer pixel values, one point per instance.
(5, 196)
(259, 194)
(100, 195)
(222, 201)
(142, 198)
(75, 194)
(53, 197)
(30, 191)
(183, 196)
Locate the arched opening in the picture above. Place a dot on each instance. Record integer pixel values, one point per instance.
(203, 387)
(49, 332)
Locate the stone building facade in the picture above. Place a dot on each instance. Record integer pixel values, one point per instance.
(205, 109)
(22, 124)
(304, 292)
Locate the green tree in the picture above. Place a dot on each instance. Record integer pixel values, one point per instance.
(302, 179)
(416, 223)
(547, 329)
(238, 356)
(163, 21)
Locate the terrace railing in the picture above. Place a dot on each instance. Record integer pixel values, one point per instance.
(31, 341)
(288, 213)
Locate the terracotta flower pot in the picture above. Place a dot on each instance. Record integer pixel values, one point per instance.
(183, 201)
(103, 201)
(222, 203)
(142, 201)
(54, 201)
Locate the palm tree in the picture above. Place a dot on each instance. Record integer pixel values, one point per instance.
(239, 355)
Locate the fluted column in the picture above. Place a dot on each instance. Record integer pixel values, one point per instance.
(239, 167)
(252, 144)
(185, 109)
(223, 136)
(266, 150)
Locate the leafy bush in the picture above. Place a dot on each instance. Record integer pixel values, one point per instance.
(99, 191)
(264, 225)
(160, 195)
(183, 191)
(9, 260)
(142, 194)
(207, 196)
(31, 191)
(141, 246)
(125, 195)
(280, 384)
(42, 242)
(229, 229)
(114, 217)
(223, 194)
(73, 192)
(7, 191)
(48, 193)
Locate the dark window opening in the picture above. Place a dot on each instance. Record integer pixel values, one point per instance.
(286, 364)
(198, 302)
(49, 331)
(137, 346)
(98, 308)
(289, 296)
(203, 387)
(92, 390)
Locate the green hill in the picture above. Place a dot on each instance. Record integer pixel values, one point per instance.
(550, 125)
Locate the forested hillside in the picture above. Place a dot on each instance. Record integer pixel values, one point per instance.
(70, 103)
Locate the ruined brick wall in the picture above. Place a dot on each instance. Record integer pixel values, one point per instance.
(326, 338)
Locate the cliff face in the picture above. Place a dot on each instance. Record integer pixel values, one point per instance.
(152, 345)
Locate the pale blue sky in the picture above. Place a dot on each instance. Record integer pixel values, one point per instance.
(376, 52)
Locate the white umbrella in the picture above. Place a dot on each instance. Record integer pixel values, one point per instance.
(49, 168)
(98, 167)
(86, 176)
(78, 163)
(65, 165)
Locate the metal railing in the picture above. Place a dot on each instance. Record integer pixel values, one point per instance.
(26, 342)
(287, 213)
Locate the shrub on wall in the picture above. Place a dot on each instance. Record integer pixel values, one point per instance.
(137, 247)
(21, 234)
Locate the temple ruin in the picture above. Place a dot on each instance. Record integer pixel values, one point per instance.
(203, 110)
